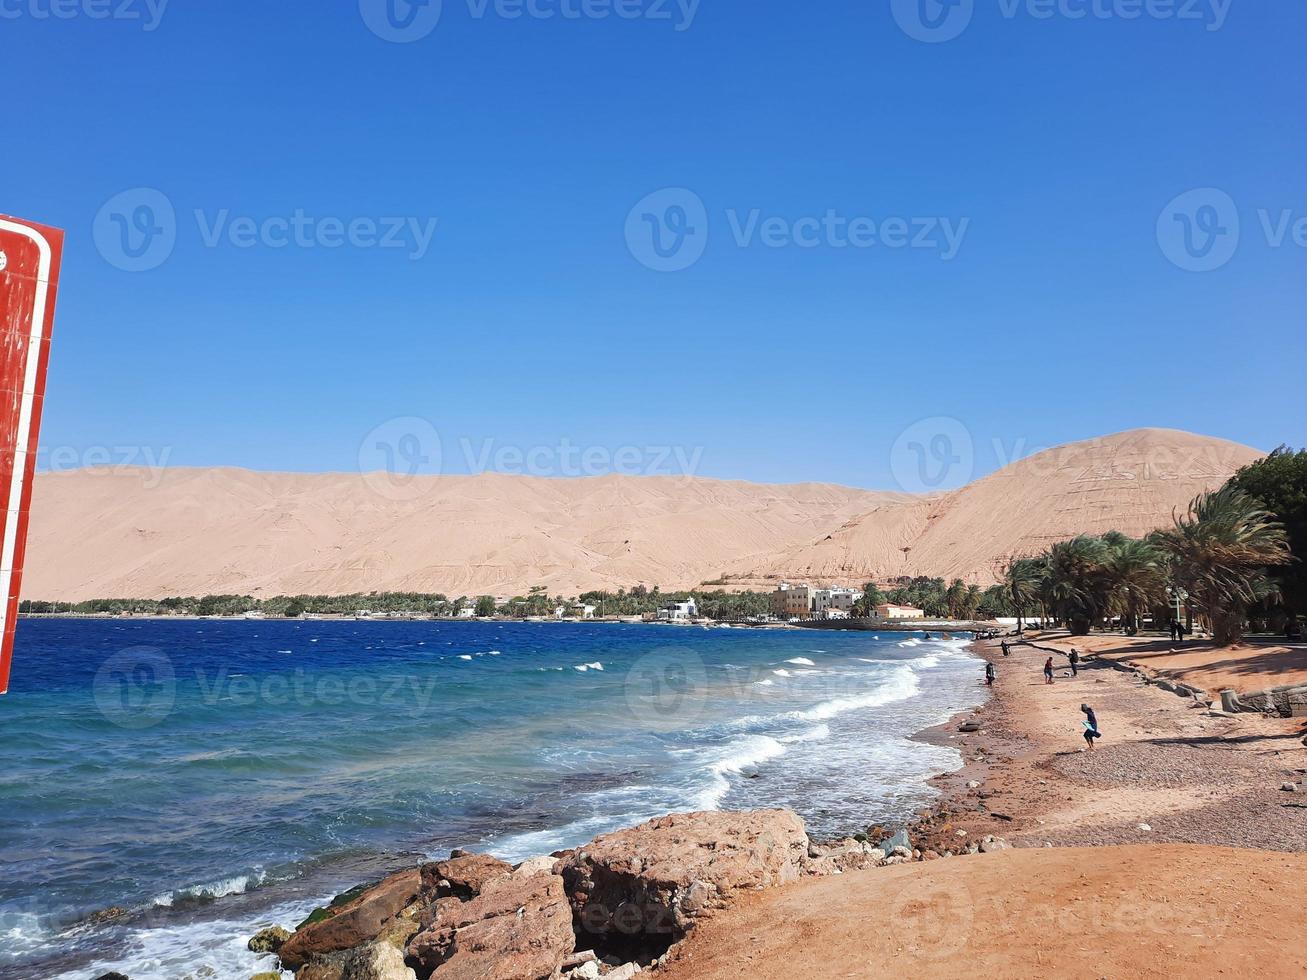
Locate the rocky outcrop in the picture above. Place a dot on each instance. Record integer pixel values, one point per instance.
(516, 928)
(268, 940)
(601, 912)
(463, 876)
(649, 884)
(359, 919)
(377, 961)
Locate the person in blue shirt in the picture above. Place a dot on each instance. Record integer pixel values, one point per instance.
(1091, 725)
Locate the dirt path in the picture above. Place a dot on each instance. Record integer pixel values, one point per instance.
(1165, 912)
(1190, 774)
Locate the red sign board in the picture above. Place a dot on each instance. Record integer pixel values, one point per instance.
(29, 279)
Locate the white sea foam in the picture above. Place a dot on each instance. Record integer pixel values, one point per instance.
(900, 686)
(802, 661)
(584, 667)
(235, 885)
(214, 948)
(732, 758)
(781, 672)
(911, 642)
(768, 682)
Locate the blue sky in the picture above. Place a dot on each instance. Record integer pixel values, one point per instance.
(1053, 146)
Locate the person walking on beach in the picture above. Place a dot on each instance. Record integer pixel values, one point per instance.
(1075, 662)
(989, 675)
(1048, 671)
(1091, 726)
(1006, 651)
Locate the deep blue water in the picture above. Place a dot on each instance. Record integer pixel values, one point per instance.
(210, 776)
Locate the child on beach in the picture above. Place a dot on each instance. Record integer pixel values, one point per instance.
(1091, 726)
(1048, 671)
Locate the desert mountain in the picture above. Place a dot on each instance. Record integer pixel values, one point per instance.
(126, 532)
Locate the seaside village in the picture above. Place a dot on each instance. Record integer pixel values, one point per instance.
(790, 602)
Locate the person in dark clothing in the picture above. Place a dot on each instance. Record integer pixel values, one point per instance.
(1075, 662)
(1048, 671)
(989, 675)
(1006, 651)
(1091, 725)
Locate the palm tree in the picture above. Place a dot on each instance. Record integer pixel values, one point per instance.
(1135, 575)
(1077, 581)
(1221, 549)
(1022, 579)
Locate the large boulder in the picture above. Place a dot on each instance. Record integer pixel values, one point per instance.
(464, 876)
(654, 880)
(357, 920)
(517, 928)
(377, 961)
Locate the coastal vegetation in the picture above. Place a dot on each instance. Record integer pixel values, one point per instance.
(1234, 556)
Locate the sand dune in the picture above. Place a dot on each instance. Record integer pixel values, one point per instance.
(138, 533)
(1129, 482)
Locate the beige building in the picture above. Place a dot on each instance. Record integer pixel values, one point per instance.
(889, 610)
(803, 601)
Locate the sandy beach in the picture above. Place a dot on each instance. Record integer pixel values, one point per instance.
(1171, 847)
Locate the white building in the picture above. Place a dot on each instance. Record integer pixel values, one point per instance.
(678, 612)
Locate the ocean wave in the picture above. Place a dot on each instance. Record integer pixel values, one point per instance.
(584, 667)
(235, 885)
(465, 656)
(734, 758)
(901, 686)
(215, 947)
(781, 672)
(802, 661)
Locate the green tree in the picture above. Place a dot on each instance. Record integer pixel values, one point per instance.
(1023, 578)
(1279, 482)
(1077, 583)
(1220, 550)
(485, 606)
(1135, 575)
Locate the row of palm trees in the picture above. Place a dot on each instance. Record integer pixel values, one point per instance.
(1216, 555)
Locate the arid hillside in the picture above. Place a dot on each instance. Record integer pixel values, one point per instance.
(141, 533)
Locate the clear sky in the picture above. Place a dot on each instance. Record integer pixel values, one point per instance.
(867, 215)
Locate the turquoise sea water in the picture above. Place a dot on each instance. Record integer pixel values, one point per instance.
(213, 776)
